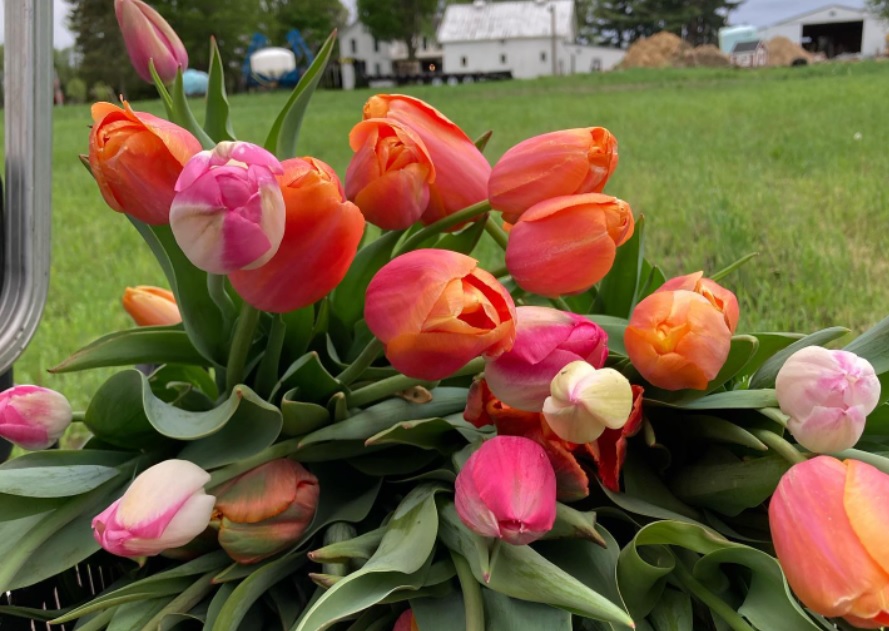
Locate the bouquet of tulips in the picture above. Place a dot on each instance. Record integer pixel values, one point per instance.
(335, 427)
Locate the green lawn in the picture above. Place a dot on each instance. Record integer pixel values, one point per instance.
(790, 163)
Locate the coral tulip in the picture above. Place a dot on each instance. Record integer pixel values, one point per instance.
(507, 489)
(406, 622)
(265, 510)
(151, 306)
(565, 245)
(148, 37)
(566, 162)
(828, 521)
(435, 310)
(321, 236)
(677, 339)
(586, 401)
(390, 173)
(720, 297)
(136, 159)
(33, 417)
(461, 171)
(228, 213)
(165, 507)
(827, 394)
(546, 341)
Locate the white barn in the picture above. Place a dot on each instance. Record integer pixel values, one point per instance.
(530, 38)
(368, 55)
(834, 30)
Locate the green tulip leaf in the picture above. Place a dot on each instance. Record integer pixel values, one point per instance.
(183, 116)
(672, 612)
(145, 345)
(716, 429)
(769, 344)
(116, 416)
(307, 378)
(618, 290)
(216, 121)
(873, 345)
(463, 241)
(134, 592)
(392, 461)
(301, 417)
(52, 474)
(731, 400)
(503, 613)
(432, 433)
(765, 376)
(651, 278)
(135, 615)
(615, 328)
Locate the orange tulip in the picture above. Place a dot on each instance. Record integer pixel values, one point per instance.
(565, 245)
(151, 306)
(435, 310)
(828, 521)
(566, 162)
(461, 171)
(677, 339)
(720, 297)
(321, 236)
(390, 173)
(136, 159)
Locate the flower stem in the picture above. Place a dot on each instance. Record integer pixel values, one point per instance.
(497, 233)
(243, 337)
(774, 414)
(389, 386)
(559, 303)
(78, 416)
(714, 602)
(361, 363)
(779, 445)
(470, 212)
(267, 376)
(472, 594)
(216, 289)
(499, 272)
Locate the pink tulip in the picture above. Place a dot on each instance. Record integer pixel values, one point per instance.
(827, 394)
(546, 341)
(721, 298)
(33, 417)
(148, 37)
(321, 236)
(565, 245)
(828, 521)
(390, 173)
(406, 622)
(461, 171)
(265, 510)
(435, 310)
(566, 162)
(507, 489)
(165, 507)
(228, 213)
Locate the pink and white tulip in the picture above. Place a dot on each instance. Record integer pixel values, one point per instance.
(165, 507)
(33, 417)
(586, 401)
(546, 341)
(507, 489)
(228, 213)
(148, 37)
(827, 394)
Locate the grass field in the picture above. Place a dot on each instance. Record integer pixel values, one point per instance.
(790, 163)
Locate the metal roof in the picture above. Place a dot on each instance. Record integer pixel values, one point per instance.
(481, 21)
(746, 47)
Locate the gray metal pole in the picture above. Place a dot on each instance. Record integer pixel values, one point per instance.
(27, 213)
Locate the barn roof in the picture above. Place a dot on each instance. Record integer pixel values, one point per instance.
(746, 47)
(863, 12)
(506, 20)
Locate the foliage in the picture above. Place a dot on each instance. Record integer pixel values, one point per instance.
(75, 90)
(398, 20)
(315, 19)
(880, 7)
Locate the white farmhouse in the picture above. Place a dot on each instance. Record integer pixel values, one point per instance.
(368, 55)
(834, 30)
(530, 38)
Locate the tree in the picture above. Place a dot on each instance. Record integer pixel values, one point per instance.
(398, 20)
(315, 19)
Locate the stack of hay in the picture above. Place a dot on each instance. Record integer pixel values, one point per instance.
(783, 52)
(707, 56)
(666, 50)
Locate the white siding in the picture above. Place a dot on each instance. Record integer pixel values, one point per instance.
(356, 43)
(873, 41)
(527, 58)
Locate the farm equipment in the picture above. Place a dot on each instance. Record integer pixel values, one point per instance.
(272, 66)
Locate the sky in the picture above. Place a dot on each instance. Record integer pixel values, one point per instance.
(755, 12)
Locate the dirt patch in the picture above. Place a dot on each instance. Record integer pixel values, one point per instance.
(661, 50)
(783, 52)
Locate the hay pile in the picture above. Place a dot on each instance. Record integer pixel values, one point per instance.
(782, 52)
(707, 56)
(661, 50)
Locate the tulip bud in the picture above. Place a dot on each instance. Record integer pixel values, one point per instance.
(546, 340)
(321, 235)
(165, 507)
(406, 622)
(827, 394)
(585, 402)
(33, 417)
(828, 523)
(136, 159)
(228, 213)
(461, 171)
(721, 298)
(389, 175)
(677, 339)
(265, 510)
(151, 306)
(565, 245)
(435, 310)
(507, 489)
(566, 162)
(148, 37)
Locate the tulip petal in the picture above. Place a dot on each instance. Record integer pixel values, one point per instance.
(866, 502)
(157, 494)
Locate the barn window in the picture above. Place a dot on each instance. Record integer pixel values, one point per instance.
(543, 55)
(463, 61)
(353, 45)
(376, 45)
(425, 43)
(502, 58)
(377, 69)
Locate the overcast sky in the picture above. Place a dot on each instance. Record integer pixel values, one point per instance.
(756, 12)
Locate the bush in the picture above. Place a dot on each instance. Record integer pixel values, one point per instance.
(75, 90)
(101, 91)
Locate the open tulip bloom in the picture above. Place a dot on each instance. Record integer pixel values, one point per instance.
(419, 425)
